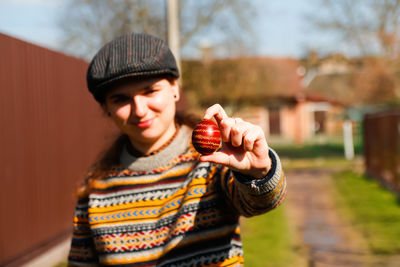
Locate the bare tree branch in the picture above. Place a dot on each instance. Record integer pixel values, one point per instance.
(371, 25)
(88, 24)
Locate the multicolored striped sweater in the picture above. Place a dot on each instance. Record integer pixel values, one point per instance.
(169, 209)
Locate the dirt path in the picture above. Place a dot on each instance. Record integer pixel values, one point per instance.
(326, 238)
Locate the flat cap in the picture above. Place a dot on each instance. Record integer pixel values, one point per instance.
(131, 55)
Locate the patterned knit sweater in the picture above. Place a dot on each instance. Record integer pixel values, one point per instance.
(169, 209)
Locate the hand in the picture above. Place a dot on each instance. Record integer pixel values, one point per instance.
(244, 147)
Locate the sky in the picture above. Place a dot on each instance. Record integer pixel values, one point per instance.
(31, 20)
(282, 30)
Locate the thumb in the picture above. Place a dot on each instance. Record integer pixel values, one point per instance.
(216, 157)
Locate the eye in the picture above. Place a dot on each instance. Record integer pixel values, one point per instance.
(118, 99)
(150, 91)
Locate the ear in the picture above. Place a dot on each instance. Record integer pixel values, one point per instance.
(175, 90)
(105, 109)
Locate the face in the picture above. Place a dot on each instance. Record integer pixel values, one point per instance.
(144, 110)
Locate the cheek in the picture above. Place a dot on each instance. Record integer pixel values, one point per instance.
(122, 113)
(162, 101)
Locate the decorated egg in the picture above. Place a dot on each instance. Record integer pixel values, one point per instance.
(206, 137)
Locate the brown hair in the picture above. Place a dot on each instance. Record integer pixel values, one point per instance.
(110, 159)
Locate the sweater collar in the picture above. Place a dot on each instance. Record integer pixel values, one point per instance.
(136, 153)
(162, 158)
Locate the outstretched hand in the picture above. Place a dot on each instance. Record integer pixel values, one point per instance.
(244, 147)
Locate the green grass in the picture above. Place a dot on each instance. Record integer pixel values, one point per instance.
(374, 210)
(316, 155)
(268, 240)
(314, 150)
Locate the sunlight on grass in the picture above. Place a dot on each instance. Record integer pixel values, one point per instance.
(314, 150)
(317, 163)
(373, 210)
(314, 155)
(268, 240)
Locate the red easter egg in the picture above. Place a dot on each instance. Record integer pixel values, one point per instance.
(206, 137)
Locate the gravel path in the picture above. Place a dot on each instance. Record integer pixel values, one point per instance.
(326, 238)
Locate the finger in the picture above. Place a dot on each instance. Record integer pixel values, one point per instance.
(260, 143)
(216, 157)
(217, 112)
(238, 131)
(249, 138)
(238, 120)
(225, 127)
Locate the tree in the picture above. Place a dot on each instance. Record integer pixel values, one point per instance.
(88, 24)
(377, 82)
(372, 26)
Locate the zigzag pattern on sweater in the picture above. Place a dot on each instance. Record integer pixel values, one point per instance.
(212, 257)
(140, 226)
(150, 192)
(145, 239)
(142, 251)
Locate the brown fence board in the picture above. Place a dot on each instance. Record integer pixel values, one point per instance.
(382, 147)
(51, 130)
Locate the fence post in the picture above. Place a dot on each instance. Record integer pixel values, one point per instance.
(348, 139)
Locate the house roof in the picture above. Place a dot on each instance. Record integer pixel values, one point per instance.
(337, 87)
(242, 79)
(257, 81)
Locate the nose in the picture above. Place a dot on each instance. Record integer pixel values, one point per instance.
(139, 106)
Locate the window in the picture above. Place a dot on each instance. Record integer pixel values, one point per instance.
(274, 121)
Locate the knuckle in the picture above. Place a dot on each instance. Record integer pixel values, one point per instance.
(235, 130)
(217, 105)
(248, 147)
(210, 109)
(249, 139)
(228, 122)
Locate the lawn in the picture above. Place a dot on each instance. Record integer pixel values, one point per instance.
(315, 155)
(313, 150)
(374, 210)
(268, 240)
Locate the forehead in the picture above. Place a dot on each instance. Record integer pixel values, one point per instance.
(133, 86)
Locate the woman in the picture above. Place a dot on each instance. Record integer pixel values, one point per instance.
(152, 200)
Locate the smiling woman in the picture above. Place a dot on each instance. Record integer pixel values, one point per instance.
(144, 110)
(152, 199)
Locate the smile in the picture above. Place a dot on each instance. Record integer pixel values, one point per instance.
(145, 123)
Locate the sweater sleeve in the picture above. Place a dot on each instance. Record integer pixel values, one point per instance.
(82, 252)
(255, 196)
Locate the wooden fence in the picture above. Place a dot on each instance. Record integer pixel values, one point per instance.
(382, 147)
(51, 130)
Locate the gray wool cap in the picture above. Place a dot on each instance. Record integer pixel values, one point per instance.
(130, 55)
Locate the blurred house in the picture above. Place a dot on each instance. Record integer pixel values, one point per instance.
(270, 92)
(298, 118)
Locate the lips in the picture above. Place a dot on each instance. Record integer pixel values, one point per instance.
(144, 123)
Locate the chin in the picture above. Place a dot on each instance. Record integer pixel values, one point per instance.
(150, 135)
